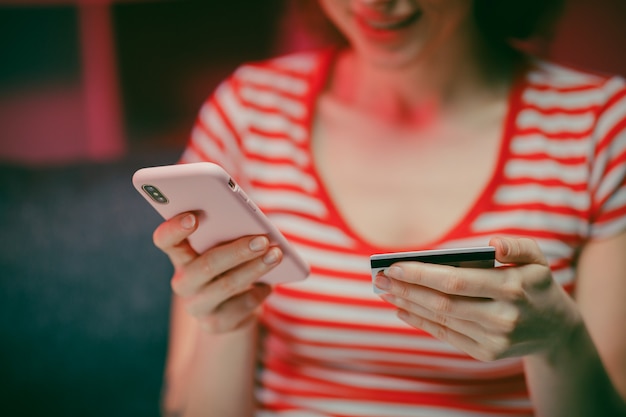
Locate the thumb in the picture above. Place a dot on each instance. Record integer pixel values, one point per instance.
(517, 251)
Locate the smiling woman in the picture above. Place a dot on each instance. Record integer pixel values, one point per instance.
(428, 130)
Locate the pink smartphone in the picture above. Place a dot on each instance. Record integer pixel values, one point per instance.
(225, 211)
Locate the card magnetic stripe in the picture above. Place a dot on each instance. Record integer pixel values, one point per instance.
(434, 259)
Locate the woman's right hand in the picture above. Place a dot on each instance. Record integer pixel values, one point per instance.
(218, 287)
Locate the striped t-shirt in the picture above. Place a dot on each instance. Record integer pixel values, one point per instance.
(332, 347)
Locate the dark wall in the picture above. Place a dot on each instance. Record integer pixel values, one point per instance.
(37, 44)
(173, 53)
(170, 53)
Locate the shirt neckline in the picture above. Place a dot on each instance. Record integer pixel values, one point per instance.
(462, 228)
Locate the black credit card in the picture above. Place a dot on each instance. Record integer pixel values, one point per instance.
(476, 257)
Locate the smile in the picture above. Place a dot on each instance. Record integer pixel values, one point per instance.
(394, 24)
(384, 29)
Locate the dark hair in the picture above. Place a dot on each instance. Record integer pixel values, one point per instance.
(501, 21)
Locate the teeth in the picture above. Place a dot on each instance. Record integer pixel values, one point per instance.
(396, 24)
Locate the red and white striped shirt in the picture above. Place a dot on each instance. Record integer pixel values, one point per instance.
(333, 347)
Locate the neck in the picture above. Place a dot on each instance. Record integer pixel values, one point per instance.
(447, 81)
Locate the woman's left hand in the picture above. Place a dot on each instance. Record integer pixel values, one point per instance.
(513, 310)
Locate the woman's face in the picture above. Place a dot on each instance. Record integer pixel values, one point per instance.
(398, 32)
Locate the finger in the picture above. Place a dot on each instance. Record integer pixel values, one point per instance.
(489, 349)
(474, 317)
(230, 284)
(171, 238)
(469, 282)
(217, 261)
(518, 251)
(440, 306)
(504, 283)
(448, 335)
(236, 311)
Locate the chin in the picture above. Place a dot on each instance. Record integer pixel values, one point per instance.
(392, 59)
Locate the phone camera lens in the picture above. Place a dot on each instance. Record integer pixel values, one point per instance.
(155, 194)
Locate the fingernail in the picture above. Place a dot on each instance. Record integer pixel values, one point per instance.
(382, 282)
(188, 222)
(394, 272)
(258, 243)
(505, 246)
(271, 257)
(403, 315)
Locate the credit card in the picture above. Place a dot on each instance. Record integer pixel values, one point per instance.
(476, 257)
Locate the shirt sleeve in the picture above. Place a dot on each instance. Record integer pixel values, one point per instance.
(608, 168)
(217, 133)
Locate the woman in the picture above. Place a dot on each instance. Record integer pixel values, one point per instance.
(428, 131)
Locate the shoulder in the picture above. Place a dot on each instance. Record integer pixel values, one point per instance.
(292, 74)
(296, 63)
(286, 83)
(566, 102)
(549, 84)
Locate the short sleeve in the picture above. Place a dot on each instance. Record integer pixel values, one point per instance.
(217, 131)
(608, 167)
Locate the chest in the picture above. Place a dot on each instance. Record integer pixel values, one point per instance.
(395, 186)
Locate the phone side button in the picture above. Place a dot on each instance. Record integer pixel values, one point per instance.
(251, 205)
(242, 195)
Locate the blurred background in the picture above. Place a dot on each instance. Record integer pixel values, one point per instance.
(90, 91)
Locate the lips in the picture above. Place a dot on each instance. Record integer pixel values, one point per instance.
(382, 27)
(390, 24)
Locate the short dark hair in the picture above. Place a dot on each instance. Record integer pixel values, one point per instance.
(501, 21)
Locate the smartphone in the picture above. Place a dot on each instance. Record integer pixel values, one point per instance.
(224, 211)
(476, 257)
